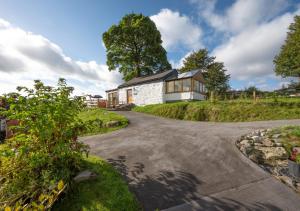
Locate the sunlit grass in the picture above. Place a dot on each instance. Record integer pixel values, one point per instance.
(107, 192)
(228, 111)
(105, 116)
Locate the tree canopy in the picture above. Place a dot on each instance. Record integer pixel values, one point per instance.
(197, 60)
(287, 62)
(134, 47)
(216, 79)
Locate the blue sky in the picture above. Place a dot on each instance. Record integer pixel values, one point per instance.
(57, 38)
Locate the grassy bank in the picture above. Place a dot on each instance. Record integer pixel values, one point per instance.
(107, 192)
(227, 111)
(97, 120)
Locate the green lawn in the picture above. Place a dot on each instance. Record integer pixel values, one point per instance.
(90, 115)
(107, 192)
(227, 111)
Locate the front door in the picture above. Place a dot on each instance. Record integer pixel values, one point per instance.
(129, 96)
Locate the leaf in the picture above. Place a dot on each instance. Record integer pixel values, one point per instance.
(60, 185)
(41, 197)
(18, 208)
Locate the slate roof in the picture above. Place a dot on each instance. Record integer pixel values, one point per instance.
(162, 76)
(145, 79)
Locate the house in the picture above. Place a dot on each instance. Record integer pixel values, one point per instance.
(158, 88)
(94, 101)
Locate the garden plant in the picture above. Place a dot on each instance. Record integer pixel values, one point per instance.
(40, 159)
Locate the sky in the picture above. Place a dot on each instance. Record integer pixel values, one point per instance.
(51, 39)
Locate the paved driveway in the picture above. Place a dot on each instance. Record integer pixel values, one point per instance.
(185, 165)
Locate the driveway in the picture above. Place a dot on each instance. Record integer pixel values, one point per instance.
(185, 165)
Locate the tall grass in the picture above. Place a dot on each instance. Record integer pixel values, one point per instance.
(227, 111)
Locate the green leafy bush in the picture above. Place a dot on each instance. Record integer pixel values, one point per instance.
(39, 160)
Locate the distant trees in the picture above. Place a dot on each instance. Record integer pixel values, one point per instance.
(216, 79)
(249, 90)
(134, 47)
(252, 91)
(287, 62)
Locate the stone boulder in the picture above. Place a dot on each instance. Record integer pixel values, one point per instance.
(257, 139)
(273, 153)
(267, 142)
(112, 124)
(245, 146)
(84, 175)
(256, 156)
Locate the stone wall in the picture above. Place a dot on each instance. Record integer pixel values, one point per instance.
(154, 93)
(144, 94)
(266, 149)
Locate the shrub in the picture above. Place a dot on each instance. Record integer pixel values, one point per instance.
(43, 154)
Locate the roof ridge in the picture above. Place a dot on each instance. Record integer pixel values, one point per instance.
(153, 77)
(145, 76)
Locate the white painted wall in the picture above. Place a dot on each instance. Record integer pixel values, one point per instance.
(198, 96)
(154, 93)
(179, 96)
(123, 95)
(184, 96)
(144, 94)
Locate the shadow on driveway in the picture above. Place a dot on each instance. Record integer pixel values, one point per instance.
(176, 189)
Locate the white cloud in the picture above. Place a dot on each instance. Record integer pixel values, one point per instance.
(241, 15)
(177, 30)
(252, 32)
(179, 64)
(25, 56)
(250, 53)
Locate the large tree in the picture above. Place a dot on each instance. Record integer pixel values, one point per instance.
(197, 60)
(134, 47)
(287, 62)
(216, 79)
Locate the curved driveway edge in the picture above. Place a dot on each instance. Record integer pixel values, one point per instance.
(185, 165)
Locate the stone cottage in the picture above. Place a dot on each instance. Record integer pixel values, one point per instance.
(158, 88)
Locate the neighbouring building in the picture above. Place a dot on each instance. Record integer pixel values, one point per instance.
(158, 88)
(95, 101)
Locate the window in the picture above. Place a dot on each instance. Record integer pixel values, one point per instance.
(178, 86)
(196, 86)
(170, 86)
(181, 85)
(186, 85)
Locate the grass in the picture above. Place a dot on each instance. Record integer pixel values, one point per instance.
(227, 111)
(290, 136)
(107, 192)
(90, 115)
